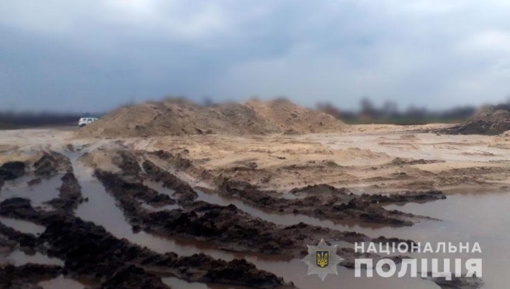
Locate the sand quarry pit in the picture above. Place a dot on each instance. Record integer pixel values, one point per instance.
(235, 208)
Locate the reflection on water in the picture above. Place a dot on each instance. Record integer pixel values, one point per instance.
(158, 209)
(19, 258)
(176, 283)
(38, 194)
(159, 188)
(23, 226)
(61, 283)
(482, 218)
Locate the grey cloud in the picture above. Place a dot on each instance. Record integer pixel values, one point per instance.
(94, 55)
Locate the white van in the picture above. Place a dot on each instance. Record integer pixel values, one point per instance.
(86, 120)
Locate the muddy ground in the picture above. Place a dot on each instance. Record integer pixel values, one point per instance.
(157, 183)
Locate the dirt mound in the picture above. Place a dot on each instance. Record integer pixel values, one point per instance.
(490, 120)
(291, 118)
(181, 117)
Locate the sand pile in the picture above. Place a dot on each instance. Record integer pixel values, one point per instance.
(288, 117)
(181, 117)
(491, 120)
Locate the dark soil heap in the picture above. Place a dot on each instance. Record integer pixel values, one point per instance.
(492, 120)
(181, 117)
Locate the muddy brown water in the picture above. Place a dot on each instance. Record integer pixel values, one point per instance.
(482, 218)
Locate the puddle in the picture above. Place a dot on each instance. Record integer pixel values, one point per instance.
(23, 226)
(482, 218)
(38, 194)
(102, 210)
(158, 209)
(176, 283)
(159, 188)
(19, 258)
(290, 196)
(17, 183)
(61, 282)
(162, 190)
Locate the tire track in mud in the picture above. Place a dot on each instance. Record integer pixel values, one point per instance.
(334, 204)
(64, 230)
(136, 273)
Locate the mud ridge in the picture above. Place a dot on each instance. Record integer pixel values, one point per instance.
(12, 170)
(320, 201)
(336, 204)
(26, 241)
(130, 193)
(51, 163)
(128, 163)
(183, 191)
(70, 194)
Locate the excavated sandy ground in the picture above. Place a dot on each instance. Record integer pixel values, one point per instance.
(363, 158)
(369, 158)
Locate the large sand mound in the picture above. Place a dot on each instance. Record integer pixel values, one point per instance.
(491, 120)
(290, 118)
(181, 117)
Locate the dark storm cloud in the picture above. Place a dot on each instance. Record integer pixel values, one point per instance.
(94, 55)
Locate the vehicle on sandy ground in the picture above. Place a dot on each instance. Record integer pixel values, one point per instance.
(86, 120)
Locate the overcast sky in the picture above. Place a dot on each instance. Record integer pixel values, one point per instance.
(95, 54)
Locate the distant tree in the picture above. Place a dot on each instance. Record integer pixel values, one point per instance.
(367, 108)
(389, 109)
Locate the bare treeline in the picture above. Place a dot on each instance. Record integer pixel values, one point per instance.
(389, 113)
